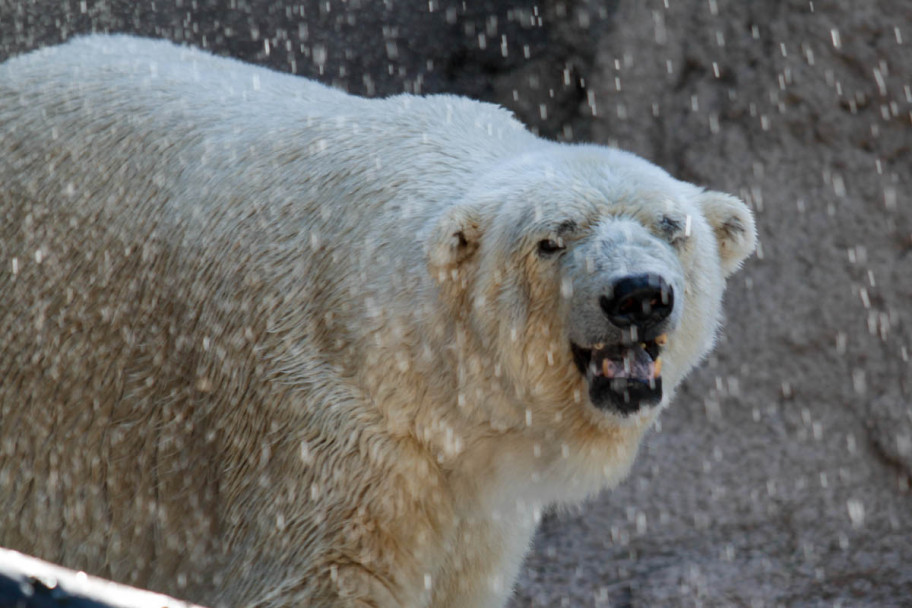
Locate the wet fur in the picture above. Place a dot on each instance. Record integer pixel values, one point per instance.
(244, 356)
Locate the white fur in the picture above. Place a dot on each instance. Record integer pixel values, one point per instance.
(267, 343)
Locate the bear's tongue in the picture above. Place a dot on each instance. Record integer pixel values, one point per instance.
(633, 362)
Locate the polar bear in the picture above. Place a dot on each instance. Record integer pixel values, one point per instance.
(265, 343)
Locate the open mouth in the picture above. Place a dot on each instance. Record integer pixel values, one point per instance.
(622, 376)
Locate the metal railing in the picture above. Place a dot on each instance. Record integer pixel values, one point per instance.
(28, 582)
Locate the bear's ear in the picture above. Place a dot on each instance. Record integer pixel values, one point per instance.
(454, 241)
(733, 224)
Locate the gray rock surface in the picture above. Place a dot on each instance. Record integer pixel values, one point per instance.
(781, 474)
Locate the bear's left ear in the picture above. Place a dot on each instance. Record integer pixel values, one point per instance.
(733, 224)
(454, 241)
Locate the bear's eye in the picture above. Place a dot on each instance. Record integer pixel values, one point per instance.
(674, 230)
(548, 247)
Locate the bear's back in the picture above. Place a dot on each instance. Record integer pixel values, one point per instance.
(181, 117)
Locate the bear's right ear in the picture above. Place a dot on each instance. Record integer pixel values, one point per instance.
(453, 242)
(733, 224)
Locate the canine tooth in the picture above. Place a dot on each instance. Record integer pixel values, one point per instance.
(662, 340)
(606, 368)
(657, 368)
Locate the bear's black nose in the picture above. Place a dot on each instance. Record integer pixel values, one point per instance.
(643, 300)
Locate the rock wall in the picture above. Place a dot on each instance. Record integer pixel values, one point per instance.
(781, 475)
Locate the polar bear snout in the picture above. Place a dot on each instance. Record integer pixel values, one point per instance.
(624, 369)
(642, 301)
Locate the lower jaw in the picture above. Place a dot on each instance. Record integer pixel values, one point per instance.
(624, 395)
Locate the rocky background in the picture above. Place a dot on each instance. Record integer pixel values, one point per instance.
(781, 474)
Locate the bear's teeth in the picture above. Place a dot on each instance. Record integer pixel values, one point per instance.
(607, 368)
(657, 368)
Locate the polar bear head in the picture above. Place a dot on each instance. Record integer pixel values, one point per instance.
(589, 276)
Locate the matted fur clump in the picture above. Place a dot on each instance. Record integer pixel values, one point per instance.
(265, 343)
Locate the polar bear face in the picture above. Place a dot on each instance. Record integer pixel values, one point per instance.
(590, 275)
